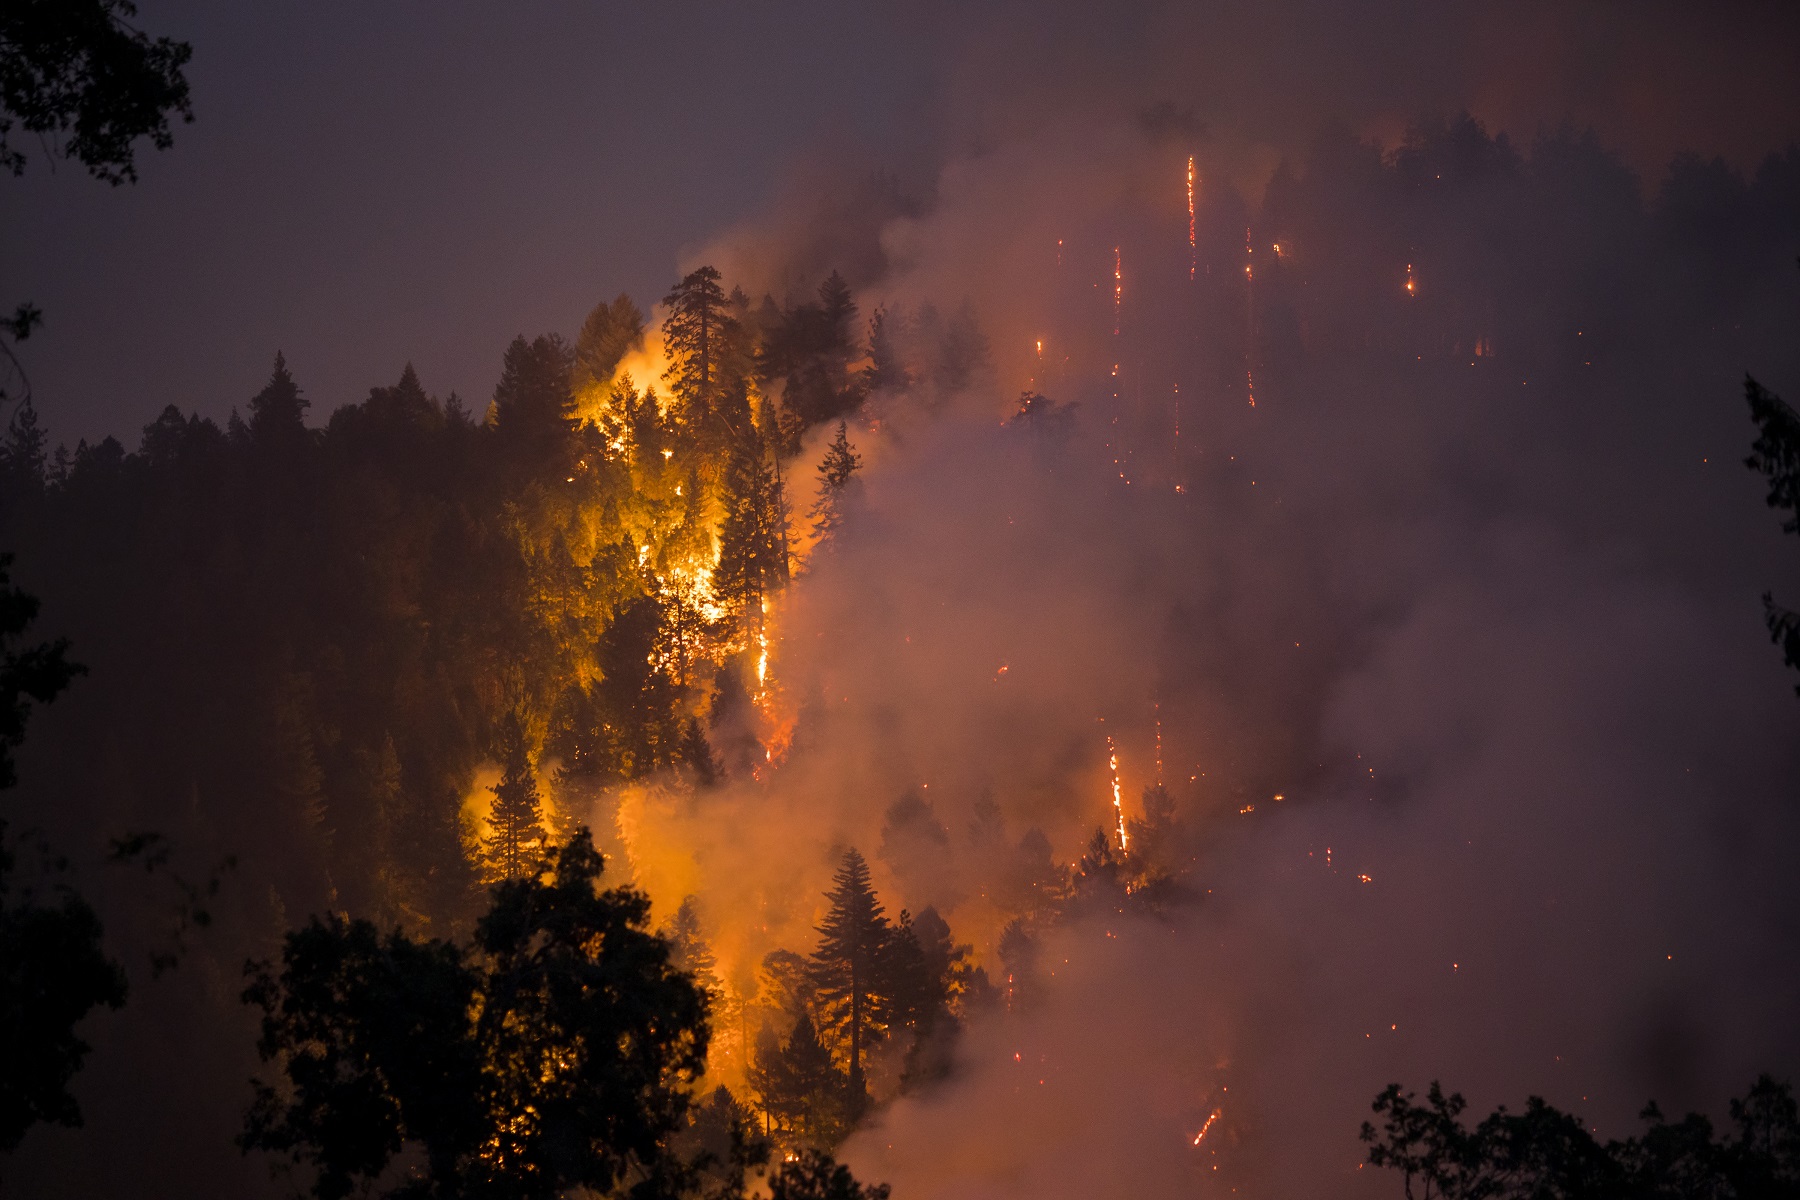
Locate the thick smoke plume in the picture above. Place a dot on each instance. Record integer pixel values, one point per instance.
(1484, 767)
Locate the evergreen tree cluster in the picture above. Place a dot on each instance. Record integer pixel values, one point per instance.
(308, 639)
(876, 995)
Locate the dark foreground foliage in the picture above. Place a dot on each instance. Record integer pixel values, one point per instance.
(556, 1051)
(1546, 1154)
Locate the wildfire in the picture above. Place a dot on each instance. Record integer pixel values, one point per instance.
(1249, 320)
(1118, 793)
(1118, 289)
(1193, 239)
(1213, 1116)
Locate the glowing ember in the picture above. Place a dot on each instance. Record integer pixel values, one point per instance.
(1118, 291)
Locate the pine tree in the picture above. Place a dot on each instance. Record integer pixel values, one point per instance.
(533, 404)
(797, 1085)
(516, 822)
(277, 413)
(752, 538)
(835, 472)
(696, 337)
(815, 1096)
(847, 966)
(688, 949)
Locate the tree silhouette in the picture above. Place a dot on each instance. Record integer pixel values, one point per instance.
(53, 971)
(835, 472)
(696, 333)
(516, 829)
(277, 413)
(847, 967)
(552, 1053)
(1543, 1152)
(814, 1175)
(1776, 454)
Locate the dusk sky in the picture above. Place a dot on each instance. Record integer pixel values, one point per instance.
(369, 185)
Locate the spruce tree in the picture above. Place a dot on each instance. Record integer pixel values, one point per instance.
(848, 965)
(835, 472)
(516, 830)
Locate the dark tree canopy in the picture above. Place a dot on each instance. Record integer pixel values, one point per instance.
(79, 74)
(53, 971)
(1543, 1152)
(552, 1053)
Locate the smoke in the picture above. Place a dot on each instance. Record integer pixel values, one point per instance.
(1483, 765)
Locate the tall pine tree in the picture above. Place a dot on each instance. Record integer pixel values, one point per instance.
(697, 336)
(848, 967)
(277, 413)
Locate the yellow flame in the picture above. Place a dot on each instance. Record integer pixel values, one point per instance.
(1193, 240)
(1118, 793)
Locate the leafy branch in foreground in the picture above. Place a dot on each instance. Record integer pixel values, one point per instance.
(1776, 454)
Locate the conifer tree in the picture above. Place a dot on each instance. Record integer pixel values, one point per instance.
(796, 1083)
(835, 472)
(885, 371)
(277, 413)
(753, 537)
(1152, 836)
(848, 965)
(688, 949)
(516, 822)
(696, 337)
(610, 332)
